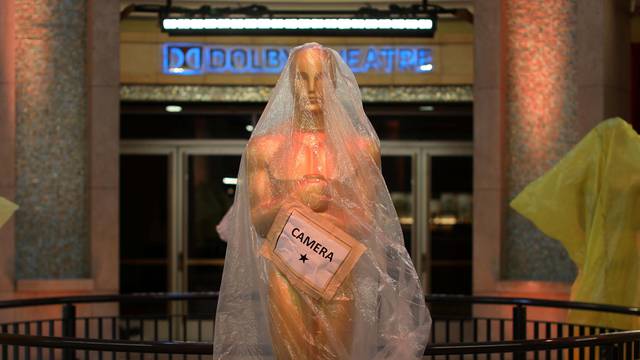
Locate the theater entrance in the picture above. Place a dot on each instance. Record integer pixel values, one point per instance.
(175, 190)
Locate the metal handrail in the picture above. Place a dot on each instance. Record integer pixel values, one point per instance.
(509, 346)
(491, 300)
(200, 348)
(432, 299)
(148, 347)
(119, 298)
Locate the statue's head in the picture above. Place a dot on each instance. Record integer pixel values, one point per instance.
(313, 73)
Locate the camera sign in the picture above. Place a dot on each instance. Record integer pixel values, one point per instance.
(313, 254)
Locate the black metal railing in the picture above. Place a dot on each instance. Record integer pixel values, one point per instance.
(186, 335)
(613, 346)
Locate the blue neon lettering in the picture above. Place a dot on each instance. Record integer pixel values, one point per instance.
(272, 58)
(387, 55)
(343, 53)
(371, 60)
(405, 59)
(218, 58)
(254, 60)
(193, 58)
(353, 58)
(424, 58)
(236, 55)
(187, 59)
(176, 58)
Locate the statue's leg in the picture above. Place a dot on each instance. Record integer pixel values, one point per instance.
(290, 320)
(333, 325)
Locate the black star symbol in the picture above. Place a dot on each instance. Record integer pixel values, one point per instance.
(303, 258)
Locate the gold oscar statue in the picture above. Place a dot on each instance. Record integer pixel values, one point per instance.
(301, 165)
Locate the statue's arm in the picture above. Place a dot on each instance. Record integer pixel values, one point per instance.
(264, 204)
(356, 220)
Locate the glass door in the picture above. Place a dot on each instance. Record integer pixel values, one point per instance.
(209, 187)
(450, 220)
(449, 235)
(147, 229)
(418, 175)
(210, 176)
(399, 169)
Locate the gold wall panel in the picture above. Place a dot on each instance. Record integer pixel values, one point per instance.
(141, 55)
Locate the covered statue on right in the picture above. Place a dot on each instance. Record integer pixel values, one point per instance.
(316, 266)
(590, 202)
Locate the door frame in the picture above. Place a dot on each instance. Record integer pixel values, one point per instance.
(173, 227)
(423, 151)
(224, 147)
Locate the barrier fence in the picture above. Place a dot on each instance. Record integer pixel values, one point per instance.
(180, 334)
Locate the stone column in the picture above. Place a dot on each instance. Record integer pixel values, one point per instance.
(541, 122)
(59, 144)
(7, 139)
(52, 240)
(103, 121)
(488, 146)
(603, 61)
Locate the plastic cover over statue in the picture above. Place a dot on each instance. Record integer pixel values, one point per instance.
(316, 266)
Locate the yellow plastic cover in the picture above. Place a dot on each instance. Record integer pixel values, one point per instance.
(6, 210)
(590, 202)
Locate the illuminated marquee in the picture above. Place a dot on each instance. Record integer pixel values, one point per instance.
(198, 59)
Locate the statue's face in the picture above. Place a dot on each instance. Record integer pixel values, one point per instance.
(310, 80)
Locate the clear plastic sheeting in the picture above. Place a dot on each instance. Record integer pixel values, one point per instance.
(6, 210)
(590, 202)
(310, 192)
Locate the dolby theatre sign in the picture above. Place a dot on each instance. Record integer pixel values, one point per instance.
(200, 59)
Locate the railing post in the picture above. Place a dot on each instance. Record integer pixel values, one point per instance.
(610, 352)
(5, 348)
(519, 328)
(68, 328)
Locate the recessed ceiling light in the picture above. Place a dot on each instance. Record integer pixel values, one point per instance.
(173, 108)
(230, 181)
